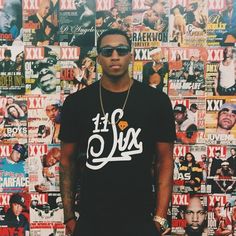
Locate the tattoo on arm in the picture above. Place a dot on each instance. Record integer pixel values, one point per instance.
(67, 187)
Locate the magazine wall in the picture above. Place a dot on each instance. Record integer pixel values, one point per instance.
(185, 48)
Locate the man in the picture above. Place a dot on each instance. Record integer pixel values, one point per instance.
(47, 81)
(48, 174)
(192, 112)
(204, 165)
(119, 144)
(49, 131)
(7, 65)
(10, 20)
(84, 13)
(45, 32)
(226, 118)
(195, 216)
(154, 72)
(14, 217)
(224, 182)
(84, 19)
(229, 17)
(190, 15)
(14, 113)
(232, 160)
(191, 172)
(155, 17)
(189, 68)
(215, 163)
(15, 162)
(84, 73)
(185, 127)
(225, 84)
(225, 170)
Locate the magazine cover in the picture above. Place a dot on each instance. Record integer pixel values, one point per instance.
(14, 214)
(77, 22)
(188, 22)
(13, 119)
(114, 14)
(46, 210)
(221, 71)
(190, 169)
(189, 214)
(221, 214)
(215, 56)
(42, 70)
(220, 120)
(221, 27)
(11, 21)
(40, 22)
(152, 18)
(152, 65)
(187, 71)
(44, 167)
(78, 68)
(44, 118)
(221, 168)
(189, 114)
(12, 81)
(58, 230)
(14, 168)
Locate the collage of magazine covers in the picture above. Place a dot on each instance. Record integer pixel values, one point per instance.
(185, 48)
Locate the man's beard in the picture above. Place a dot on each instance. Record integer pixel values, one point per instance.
(194, 232)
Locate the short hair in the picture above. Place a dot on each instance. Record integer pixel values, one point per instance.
(112, 32)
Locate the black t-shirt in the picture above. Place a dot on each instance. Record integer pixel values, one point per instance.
(117, 175)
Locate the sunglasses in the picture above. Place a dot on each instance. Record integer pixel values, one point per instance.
(122, 50)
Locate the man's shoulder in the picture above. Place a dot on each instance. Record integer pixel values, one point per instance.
(148, 89)
(152, 96)
(22, 217)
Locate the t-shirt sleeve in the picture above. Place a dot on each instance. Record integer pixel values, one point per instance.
(165, 122)
(68, 129)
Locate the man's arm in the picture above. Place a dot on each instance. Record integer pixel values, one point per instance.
(164, 179)
(68, 182)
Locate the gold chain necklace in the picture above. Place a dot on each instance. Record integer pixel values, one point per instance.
(101, 101)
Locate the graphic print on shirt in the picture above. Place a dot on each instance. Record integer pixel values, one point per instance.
(126, 144)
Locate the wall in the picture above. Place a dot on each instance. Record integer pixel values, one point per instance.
(183, 47)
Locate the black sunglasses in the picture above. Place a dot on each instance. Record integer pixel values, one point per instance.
(122, 50)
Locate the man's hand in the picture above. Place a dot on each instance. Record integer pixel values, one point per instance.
(70, 226)
(158, 226)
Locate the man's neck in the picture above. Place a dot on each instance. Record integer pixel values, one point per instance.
(116, 84)
(219, 130)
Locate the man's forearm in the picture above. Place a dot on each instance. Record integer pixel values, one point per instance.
(164, 182)
(164, 191)
(67, 187)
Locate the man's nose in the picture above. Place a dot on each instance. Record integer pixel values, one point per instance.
(195, 216)
(114, 55)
